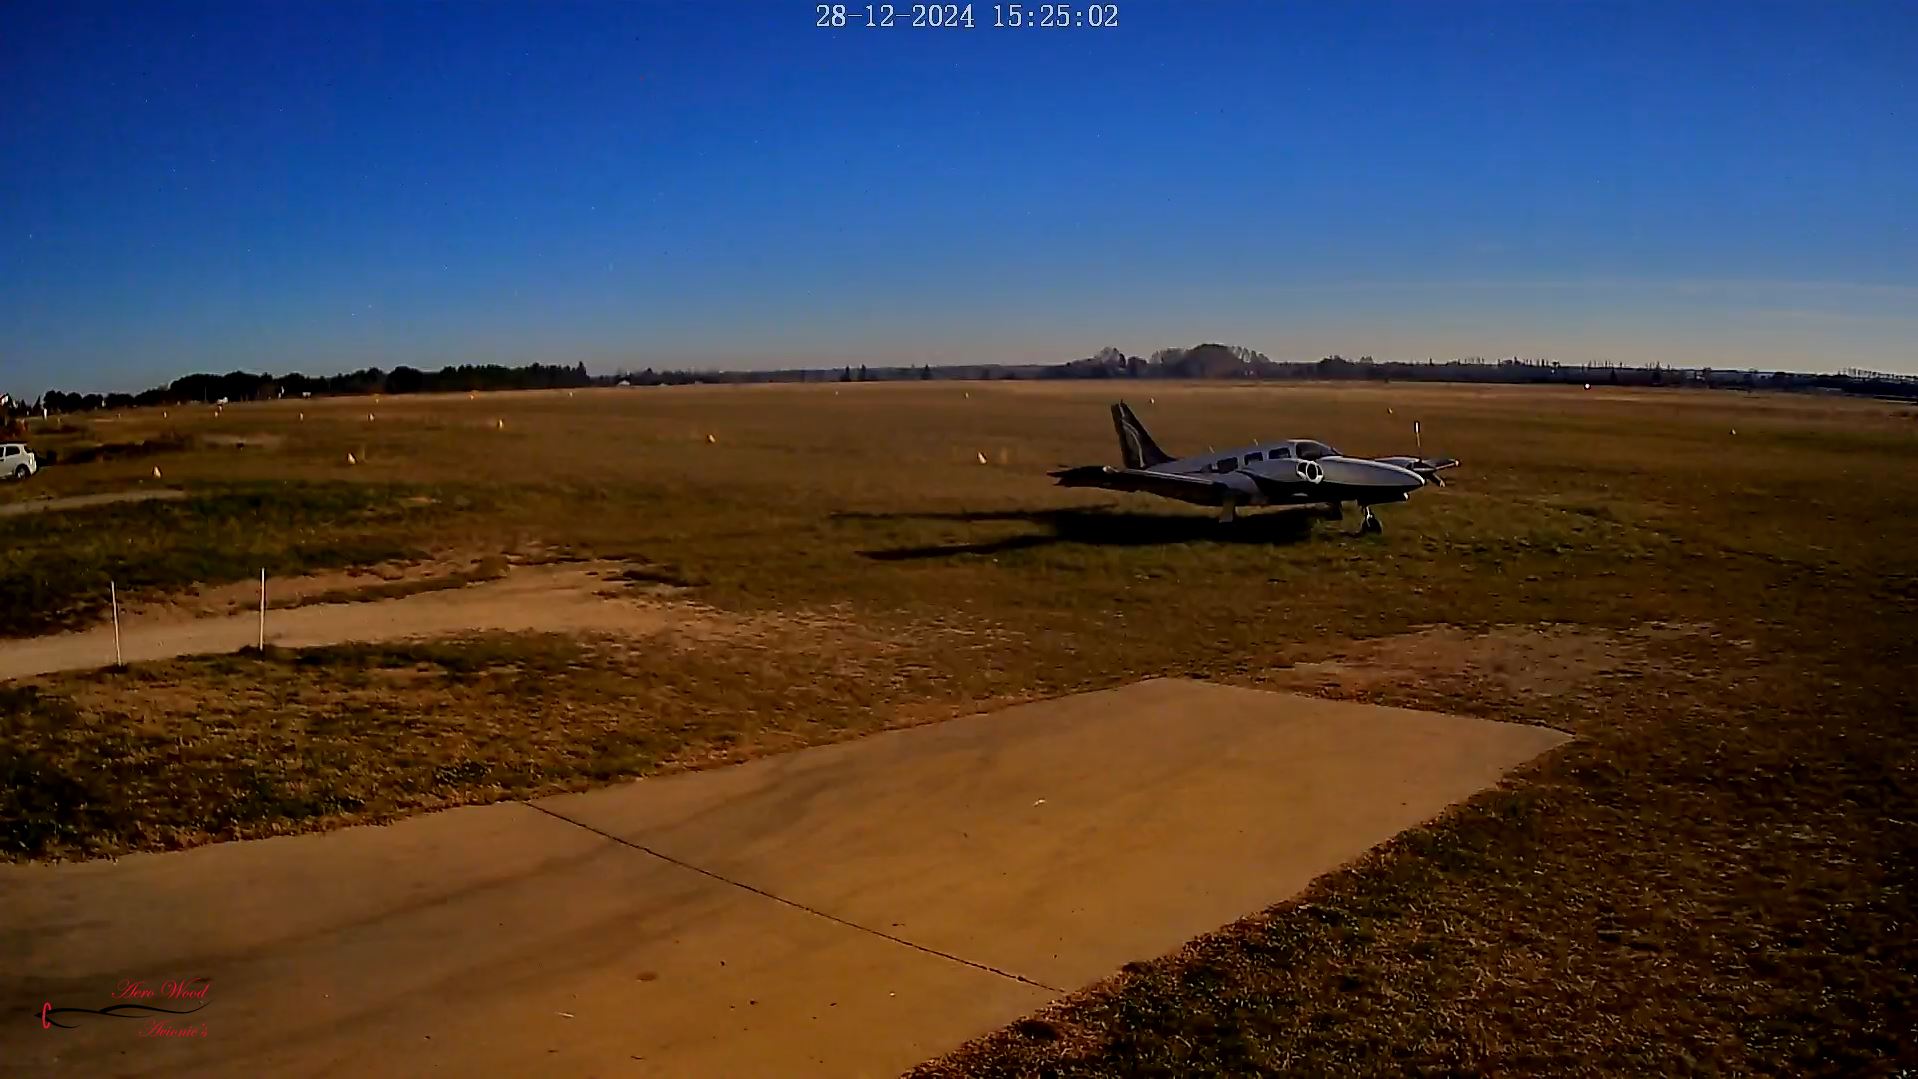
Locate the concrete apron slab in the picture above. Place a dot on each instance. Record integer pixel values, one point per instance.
(489, 941)
(1060, 840)
(847, 910)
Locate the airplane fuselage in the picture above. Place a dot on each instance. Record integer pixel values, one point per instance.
(1247, 475)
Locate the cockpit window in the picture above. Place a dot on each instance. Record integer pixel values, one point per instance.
(1312, 451)
(1282, 451)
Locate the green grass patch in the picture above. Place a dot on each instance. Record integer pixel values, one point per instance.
(55, 567)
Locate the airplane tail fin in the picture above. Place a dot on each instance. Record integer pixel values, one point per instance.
(1135, 443)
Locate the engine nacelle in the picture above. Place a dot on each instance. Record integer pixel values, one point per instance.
(1291, 471)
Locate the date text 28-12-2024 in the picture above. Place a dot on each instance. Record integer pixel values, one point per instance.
(961, 16)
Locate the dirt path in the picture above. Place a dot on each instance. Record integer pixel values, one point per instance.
(74, 502)
(563, 598)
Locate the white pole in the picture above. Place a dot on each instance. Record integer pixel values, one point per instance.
(113, 592)
(262, 609)
(1419, 442)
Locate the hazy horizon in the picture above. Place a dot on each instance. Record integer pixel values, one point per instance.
(320, 188)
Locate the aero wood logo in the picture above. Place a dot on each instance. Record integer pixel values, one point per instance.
(131, 994)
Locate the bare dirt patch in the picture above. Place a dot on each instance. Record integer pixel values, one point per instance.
(564, 598)
(256, 441)
(75, 502)
(1537, 660)
(396, 579)
(387, 580)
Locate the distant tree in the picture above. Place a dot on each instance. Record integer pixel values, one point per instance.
(1210, 361)
(862, 372)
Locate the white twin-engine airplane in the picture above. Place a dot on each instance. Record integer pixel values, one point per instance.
(1295, 472)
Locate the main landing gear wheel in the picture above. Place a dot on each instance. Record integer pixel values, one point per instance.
(1369, 525)
(1228, 513)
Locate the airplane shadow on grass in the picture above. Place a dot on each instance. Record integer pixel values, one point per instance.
(1098, 528)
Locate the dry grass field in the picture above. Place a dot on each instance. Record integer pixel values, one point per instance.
(1717, 592)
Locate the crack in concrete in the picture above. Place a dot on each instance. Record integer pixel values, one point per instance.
(816, 912)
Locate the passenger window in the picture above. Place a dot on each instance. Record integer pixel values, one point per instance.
(1228, 464)
(1254, 457)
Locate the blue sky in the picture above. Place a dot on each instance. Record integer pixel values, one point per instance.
(318, 187)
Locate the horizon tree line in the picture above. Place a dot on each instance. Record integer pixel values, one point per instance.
(1204, 361)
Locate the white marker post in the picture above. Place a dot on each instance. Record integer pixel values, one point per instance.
(262, 610)
(1418, 442)
(113, 593)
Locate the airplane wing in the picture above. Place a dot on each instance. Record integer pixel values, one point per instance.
(1198, 489)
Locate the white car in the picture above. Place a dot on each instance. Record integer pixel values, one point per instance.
(17, 462)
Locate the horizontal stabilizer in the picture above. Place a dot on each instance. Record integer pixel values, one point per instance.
(1195, 489)
(1421, 464)
(1428, 468)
